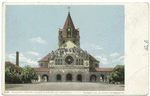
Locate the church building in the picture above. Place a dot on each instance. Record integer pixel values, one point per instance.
(70, 63)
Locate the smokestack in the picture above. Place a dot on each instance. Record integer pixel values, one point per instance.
(17, 58)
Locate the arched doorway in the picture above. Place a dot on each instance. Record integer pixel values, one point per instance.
(79, 78)
(58, 78)
(68, 77)
(93, 78)
(45, 78)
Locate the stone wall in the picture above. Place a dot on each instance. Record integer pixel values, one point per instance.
(43, 64)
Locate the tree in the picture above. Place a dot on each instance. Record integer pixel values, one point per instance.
(117, 75)
(15, 74)
(28, 74)
(12, 74)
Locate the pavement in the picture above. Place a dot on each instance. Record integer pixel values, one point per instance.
(67, 86)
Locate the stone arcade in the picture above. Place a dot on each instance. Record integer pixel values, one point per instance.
(69, 63)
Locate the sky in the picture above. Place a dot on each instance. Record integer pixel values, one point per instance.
(33, 31)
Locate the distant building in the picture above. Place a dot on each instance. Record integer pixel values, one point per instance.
(7, 63)
(69, 62)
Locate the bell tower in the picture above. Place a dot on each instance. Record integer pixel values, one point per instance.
(68, 33)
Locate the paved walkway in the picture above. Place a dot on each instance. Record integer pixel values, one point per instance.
(68, 86)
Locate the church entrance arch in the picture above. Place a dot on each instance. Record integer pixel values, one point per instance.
(69, 78)
(58, 78)
(93, 78)
(79, 78)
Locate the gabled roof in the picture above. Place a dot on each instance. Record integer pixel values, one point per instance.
(69, 44)
(93, 59)
(101, 69)
(40, 69)
(45, 58)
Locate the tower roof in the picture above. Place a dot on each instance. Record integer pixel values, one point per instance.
(68, 23)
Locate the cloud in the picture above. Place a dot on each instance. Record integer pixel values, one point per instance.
(120, 59)
(91, 46)
(33, 53)
(103, 59)
(31, 61)
(22, 58)
(37, 40)
(12, 57)
(114, 55)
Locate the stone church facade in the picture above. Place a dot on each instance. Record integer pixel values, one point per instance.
(70, 63)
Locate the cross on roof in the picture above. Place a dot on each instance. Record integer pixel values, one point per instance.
(68, 9)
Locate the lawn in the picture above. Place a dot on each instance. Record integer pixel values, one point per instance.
(11, 85)
(122, 85)
(18, 85)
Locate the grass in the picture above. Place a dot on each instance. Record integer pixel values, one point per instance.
(19, 85)
(11, 86)
(121, 85)
(34, 83)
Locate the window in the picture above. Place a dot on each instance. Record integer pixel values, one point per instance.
(68, 34)
(96, 65)
(60, 32)
(56, 62)
(61, 62)
(77, 62)
(82, 62)
(46, 66)
(41, 65)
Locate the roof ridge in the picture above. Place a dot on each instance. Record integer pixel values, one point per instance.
(45, 58)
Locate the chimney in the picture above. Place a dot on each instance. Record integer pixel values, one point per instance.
(17, 58)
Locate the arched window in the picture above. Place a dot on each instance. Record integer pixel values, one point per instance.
(79, 78)
(58, 78)
(68, 33)
(56, 62)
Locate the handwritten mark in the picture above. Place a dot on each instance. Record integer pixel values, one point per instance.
(146, 46)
